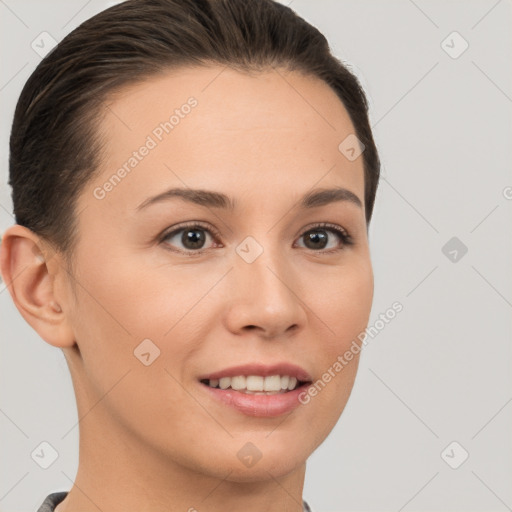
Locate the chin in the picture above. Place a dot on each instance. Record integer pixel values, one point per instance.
(264, 469)
(278, 453)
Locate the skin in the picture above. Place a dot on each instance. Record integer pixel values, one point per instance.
(150, 436)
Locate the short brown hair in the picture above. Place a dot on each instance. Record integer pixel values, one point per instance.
(54, 146)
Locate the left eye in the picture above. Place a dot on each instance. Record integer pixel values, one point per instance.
(317, 238)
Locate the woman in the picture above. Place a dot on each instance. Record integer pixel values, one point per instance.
(193, 183)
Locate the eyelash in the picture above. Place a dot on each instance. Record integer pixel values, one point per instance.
(343, 235)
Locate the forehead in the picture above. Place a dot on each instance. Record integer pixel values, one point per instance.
(213, 125)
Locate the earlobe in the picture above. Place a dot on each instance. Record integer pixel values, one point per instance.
(25, 271)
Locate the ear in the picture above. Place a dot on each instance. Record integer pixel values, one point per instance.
(24, 258)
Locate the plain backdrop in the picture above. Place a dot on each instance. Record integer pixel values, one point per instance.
(428, 425)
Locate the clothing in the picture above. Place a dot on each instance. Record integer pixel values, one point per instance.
(52, 500)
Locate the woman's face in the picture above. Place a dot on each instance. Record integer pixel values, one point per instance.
(174, 291)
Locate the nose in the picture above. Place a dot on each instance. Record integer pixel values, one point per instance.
(264, 297)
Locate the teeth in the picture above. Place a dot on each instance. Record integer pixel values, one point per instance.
(224, 382)
(272, 383)
(256, 384)
(292, 383)
(238, 382)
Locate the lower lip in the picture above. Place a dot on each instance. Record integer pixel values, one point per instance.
(266, 406)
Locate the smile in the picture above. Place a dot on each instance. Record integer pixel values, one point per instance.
(256, 384)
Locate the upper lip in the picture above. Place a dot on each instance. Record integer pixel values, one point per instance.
(261, 369)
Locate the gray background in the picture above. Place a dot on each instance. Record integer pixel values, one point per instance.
(441, 371)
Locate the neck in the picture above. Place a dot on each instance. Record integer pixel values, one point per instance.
(118, 474)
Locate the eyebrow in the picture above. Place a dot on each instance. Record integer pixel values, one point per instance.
(211, 199)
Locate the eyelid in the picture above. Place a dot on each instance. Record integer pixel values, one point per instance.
(330, 225)
(191, 224)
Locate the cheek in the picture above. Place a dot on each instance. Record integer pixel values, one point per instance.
(344, 311)
(120, 325)
(122, 302)
(344, 304)
(128, 296)
(115, 313)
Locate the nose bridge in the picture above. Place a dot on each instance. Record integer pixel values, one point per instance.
(264, 295)
(264, 267)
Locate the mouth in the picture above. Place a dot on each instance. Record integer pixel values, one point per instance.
(257, 390)
(257, 384)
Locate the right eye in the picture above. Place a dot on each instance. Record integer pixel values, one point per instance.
(192, 236)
